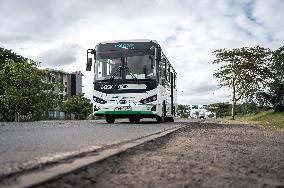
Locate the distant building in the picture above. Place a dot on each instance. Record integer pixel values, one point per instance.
(72, 85)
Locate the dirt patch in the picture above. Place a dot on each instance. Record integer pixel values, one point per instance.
(199, 155)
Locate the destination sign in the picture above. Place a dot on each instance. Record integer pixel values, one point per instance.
(125, 45)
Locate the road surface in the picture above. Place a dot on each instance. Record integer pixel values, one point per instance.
(25, 145)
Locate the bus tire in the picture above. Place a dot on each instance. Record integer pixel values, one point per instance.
(160, 119)
(169, 119)
(110, 119)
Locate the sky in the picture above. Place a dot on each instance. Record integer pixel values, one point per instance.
(57, 33)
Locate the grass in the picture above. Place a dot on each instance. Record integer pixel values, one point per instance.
(267, 119)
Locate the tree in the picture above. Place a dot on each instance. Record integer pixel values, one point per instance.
(183, 111)
(221, 109)
(275, 92)
(24, 90)
(243, 70)
(78, 105)
(8, 54)
(247, 108)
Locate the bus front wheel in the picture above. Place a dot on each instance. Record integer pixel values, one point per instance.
(160, 119)
(170, 119)
(110, 119)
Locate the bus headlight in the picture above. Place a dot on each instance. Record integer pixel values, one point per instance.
(99, 100)
(149, 99)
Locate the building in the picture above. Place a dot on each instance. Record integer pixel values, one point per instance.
(72, 85)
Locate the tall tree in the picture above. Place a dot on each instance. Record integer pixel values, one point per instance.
(275, 91)
(24, 90)
(243, 70)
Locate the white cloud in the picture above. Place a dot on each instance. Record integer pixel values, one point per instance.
(64, 54)
(187, 30)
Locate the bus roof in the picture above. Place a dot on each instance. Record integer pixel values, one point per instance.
(133, 40)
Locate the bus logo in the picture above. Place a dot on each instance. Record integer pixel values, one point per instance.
(124, 45)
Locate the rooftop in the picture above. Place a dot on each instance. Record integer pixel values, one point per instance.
(64, 72)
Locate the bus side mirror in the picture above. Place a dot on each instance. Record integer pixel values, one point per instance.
(89, 59)
(89, 64)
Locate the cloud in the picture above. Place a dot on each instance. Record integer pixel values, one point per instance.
(64, 54)
(38, 20)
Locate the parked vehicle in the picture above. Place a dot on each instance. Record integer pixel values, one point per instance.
(202, 114)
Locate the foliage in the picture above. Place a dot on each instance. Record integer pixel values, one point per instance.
(268, 119)
(183, 111)
(6, 54)
(247, 108)
(7, 114)
(244, 70)
(211, 115)
(221, 109)
(78, 105)
(24, 90)
(275, 92)
(196, 114)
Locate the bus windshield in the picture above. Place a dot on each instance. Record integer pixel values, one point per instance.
(142, 67)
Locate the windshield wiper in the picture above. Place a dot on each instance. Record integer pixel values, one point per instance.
(131, 73)
(118, 70)
(110, 80)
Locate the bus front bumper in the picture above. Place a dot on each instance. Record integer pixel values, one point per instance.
(127, 114)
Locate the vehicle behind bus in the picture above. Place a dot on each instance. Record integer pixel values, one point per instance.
(132, 79)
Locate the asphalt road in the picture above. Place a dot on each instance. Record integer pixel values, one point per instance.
(25, 145)
(198, 155)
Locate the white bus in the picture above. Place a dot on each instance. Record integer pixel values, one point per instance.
(133, 79)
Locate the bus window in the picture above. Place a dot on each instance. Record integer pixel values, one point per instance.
(175, 80)
(165, 70)
(106, 67)
(162, 68)
(99, 69)
(168, 71)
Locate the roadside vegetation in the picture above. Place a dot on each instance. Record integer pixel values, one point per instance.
(183, 111)
(267, 119)
(27, 95)
(250, 113)
(78, 105)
